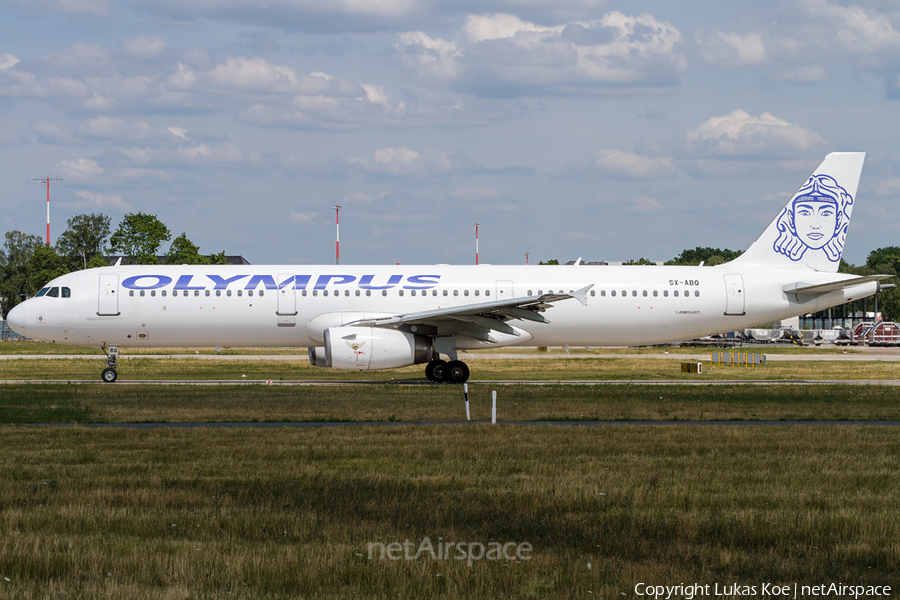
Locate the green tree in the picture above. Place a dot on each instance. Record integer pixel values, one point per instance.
(84, 239)
(218, 259)
(640, 261)
(14, 256)
(138, 238)
(709, 256)
(184, 252)
(886, 261)
(552, 261)
(44, 265)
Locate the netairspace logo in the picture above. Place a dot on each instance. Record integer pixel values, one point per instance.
(690, 591)
(467, 551)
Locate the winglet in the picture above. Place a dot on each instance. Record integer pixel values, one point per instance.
(118, 262)
(581, 295)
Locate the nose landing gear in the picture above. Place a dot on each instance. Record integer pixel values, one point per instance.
(109, 374)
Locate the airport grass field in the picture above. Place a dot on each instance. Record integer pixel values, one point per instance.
(286, 513)
(293, 513)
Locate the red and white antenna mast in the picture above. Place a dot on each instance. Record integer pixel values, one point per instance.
(527, 254)
(476, 243)
(337, 242)
(47, 180)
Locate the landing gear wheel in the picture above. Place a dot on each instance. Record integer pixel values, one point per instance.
(435, 370)
(456, 372)
(109, 375)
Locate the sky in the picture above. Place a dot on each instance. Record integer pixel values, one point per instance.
(574, 128)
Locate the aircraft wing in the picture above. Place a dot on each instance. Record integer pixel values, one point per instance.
(805, 289)
(478, 320)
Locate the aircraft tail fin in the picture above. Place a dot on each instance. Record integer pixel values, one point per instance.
(810, 230)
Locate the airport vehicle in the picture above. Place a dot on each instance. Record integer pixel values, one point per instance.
(382, 317)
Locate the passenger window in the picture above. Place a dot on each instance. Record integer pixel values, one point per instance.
(54, 292)
(206, 293)
(324, 292)
(529, 293)
(655, 293)
(303, 293)
(603, 293)
(384, 292)
(446, 292)
(368, 292)
(465, 292)
(66, 292)
(153, 293)
(401, 292)
(249, 292)
(196, 293)
(131, 292)
(456, 292)
(675, 293)
(645, 293)
(696, 293)
(624, 293)
(42, 292)
(593, 293)
(346, 293)
(163, 293)
(142, 293)
(687, 293)
(665, 293)
(218, 292)
(315, 292)
(228, 293)
(634, 293)
(476, 292)
(241, 292)
(434, 292)
(613, 293)
(540, 292)
(412, 293)
(357, 292)
(262, 292)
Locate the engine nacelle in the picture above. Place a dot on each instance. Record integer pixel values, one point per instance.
(369, 348)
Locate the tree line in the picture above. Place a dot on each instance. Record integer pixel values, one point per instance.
(27, 262)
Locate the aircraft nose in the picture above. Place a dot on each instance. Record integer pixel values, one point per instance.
(17, 318)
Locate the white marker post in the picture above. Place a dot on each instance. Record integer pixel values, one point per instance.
(466, 391)
(494, 407)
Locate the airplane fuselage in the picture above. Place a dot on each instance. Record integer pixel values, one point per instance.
(291, 306)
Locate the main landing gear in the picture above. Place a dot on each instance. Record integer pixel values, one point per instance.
(440, 371)
(112, 359)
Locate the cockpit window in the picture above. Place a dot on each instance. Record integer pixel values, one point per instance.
(42, 292)
(54, 292)
(66, 292)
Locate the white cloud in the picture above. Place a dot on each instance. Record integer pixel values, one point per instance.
(103, 126)
(804, 74)
(633, 166)
(732, 49)
(643, 205)
(8, 61)
(80, 57)
(79, 169)
(103, 201)
(858, 31)
(51, 133)
(741, 134)
(98, 8)
(302, 218)
(614, 54)
(888, 187)
(144, 46)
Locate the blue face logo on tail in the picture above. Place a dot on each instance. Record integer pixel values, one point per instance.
(816, 219)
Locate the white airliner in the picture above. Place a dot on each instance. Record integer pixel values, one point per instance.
(384, 317)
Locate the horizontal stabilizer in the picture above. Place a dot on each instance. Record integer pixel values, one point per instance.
(805, 289)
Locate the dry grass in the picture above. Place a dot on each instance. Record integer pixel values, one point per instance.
(287, 513)
(547, 369)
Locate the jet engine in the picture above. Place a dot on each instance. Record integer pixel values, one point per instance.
(369, 348)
